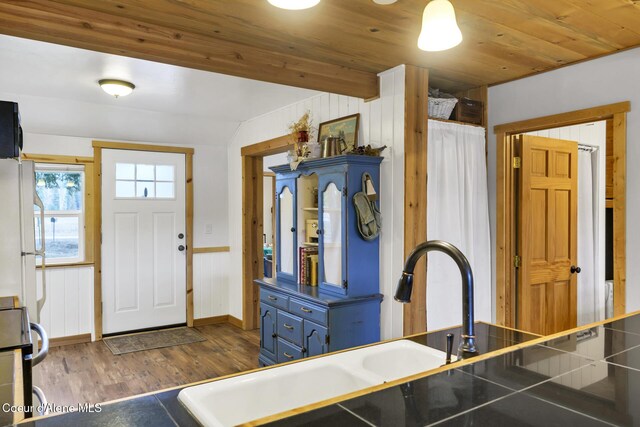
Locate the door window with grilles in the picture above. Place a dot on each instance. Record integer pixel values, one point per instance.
(144, 181)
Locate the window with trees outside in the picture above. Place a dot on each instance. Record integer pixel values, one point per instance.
(61, 189)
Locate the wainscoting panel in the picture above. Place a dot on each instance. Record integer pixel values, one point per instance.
(211, 284)
(68, 310)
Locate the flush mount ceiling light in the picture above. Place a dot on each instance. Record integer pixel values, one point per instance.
(294, 4)
(439, 27)
(116, 88)
(384, 1)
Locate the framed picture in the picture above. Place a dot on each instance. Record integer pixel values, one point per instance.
(345, 128)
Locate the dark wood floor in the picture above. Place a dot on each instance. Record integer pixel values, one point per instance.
(91, 373)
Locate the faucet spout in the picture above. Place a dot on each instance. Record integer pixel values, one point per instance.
(467, 346)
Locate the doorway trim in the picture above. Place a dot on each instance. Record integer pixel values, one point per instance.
(252, 219)
(505, 251)
(98, 146)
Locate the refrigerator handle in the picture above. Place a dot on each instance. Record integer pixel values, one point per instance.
(41, 252)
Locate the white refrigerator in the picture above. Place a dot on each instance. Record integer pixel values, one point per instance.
(19, 246)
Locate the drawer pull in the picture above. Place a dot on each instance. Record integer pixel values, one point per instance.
(288, 326)
(287, 355)
(306, 310)
(272, 298)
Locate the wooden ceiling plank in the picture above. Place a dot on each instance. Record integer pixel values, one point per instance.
(511, 40)
(212, 20)
(71, 26)
(532, 18)
(621, 12)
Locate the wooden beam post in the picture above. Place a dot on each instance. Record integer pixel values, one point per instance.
(415, 191)
(252, 230)
(97, 243)
(619, 213)
(189, 232)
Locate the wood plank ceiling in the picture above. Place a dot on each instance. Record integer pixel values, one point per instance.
(338, 46)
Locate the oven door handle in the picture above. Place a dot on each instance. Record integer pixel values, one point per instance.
(43, 400)
(44, 350)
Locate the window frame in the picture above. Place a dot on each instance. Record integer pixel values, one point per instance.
(80, 214)
(86, 216)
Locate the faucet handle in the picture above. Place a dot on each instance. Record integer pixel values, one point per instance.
(449, 348)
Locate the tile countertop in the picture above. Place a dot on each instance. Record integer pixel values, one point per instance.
(587, 377)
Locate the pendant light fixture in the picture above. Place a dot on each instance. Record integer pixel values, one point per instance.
(439, 27)
(294, 4)
(116, 88)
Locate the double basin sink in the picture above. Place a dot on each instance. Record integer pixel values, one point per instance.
(268, 392)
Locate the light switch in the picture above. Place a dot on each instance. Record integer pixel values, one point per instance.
(208, 229)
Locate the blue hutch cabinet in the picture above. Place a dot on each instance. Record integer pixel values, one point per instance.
(330, 301)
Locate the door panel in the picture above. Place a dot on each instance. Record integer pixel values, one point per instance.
(539, 222)
(268, 337)
(143, 257)
(547, 239)
(126, 262)
(315, 337)
(164, 230)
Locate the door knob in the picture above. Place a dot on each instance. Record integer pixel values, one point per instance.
(181, 248)
(575, 269)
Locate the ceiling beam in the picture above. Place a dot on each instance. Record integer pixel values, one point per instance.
(53, 22)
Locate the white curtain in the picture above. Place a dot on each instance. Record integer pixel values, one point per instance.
(457, 212)
(587, 236)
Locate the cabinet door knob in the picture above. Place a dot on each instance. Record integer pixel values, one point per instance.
(181, 248)
(274, 335)
(319, 231)
(293, 229)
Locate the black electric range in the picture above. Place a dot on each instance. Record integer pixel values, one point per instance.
(15, 334)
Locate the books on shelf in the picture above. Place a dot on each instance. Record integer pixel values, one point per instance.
(308, 262)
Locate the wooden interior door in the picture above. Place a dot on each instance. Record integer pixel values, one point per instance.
(547, 240)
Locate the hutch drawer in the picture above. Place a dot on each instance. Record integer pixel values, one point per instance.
(290, 327)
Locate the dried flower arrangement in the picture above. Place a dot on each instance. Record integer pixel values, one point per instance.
(302, 133)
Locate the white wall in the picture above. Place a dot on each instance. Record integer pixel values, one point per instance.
(382, 123)
(210, 284)
(601, 81)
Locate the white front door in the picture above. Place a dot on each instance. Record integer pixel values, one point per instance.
(143, 240)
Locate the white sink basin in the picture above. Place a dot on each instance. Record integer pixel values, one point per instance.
(399, 359)
(259, 394)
